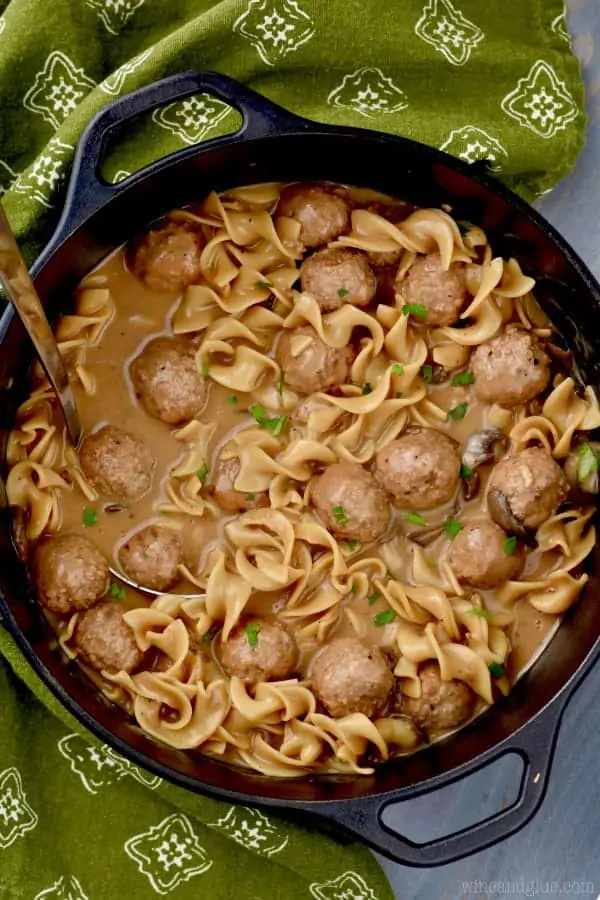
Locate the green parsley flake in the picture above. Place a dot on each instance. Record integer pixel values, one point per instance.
(415, 309)
(343, 292)
(452, 528)
(208, 636)
(232, 399)
(465, 471)
(353, 545)
(427, 373)
(510, 546)
(202, 472)
(205, 368)
(459, 411)
(116, 591)
(252, 630)
(90, 516)
(274, 425)
(587, 462)
(367, 389)
(384, 618)
(415, 518)
(463, 378)
(372, 598)
(264, 284)
(496, 670)
(465, 227)
(339, 515)
(281, 383)
(398, 369)
(250, 497)
(482, 613)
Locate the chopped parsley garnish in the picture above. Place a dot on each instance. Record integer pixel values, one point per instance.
(465, 227)
(252, 630)
(459, 411)
(353, 545)
(343, 292)
(116, 591)
(465, 471)
(427, 373)
(90, 516)
(587, 462)
(510, 546)
(209, 635)
(281, 383)
(372, 598)
(482, 613)
(463, 378)
(398, 369)
(367, 389)
(205, 368)
(415, 518)
(384, 618)
(496, 670)
(339, 515)
(415, 309)
(202, 472)
(264, 284)
(232, 399)
(250, 497)
(452, 527)
(274, 425)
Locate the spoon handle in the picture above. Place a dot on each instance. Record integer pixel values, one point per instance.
(21, 292)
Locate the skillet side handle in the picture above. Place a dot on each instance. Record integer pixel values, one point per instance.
(87, 191)
(535, 747)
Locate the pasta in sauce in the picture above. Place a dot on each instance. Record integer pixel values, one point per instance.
(347, 427)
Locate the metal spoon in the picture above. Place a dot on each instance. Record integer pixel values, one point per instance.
(19, 287)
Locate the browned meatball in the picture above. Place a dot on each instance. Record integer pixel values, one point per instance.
(166, 379)
(117, 463)
(420, 469)
(530, 486)
(350, 676)
(167, 258)
(394, 213)
(442, 705)
(257, 650)
(338, 275)
(70, 572)
(351, 503)
(323, 215)
(510, 369)
(442, 293)
(309, 364)
(105, 640)
(151, 557)
(225, 494)
(478, 555)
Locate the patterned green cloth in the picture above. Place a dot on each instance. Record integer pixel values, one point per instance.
(489, 80)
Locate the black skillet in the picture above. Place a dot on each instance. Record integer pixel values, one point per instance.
(273, 144)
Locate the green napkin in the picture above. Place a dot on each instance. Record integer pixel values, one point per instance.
(491, 80)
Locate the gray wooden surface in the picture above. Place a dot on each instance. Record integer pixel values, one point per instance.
(558, 853)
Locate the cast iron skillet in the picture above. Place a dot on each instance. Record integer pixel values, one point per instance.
(272, 145)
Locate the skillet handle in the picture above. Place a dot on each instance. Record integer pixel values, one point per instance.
(87, 191)
(535, 746)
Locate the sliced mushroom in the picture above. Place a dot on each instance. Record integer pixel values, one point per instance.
(19, 532)
(502, 514)
(483, 446)
(470, 485)
(584, 460)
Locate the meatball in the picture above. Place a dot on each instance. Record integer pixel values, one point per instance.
(167, 258)
(511, 368)
(442, 293)
(151, 557)
(257, 650)
(350, 676)
(338, 275)
(322, 214)
(166, 379)
(309, 364)
(225, 494)
(420, 469)
(351, 503)
(478, 556)
(527, 488)
(442, 704)
(105, 640)
(70, 572)
(117, 463)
